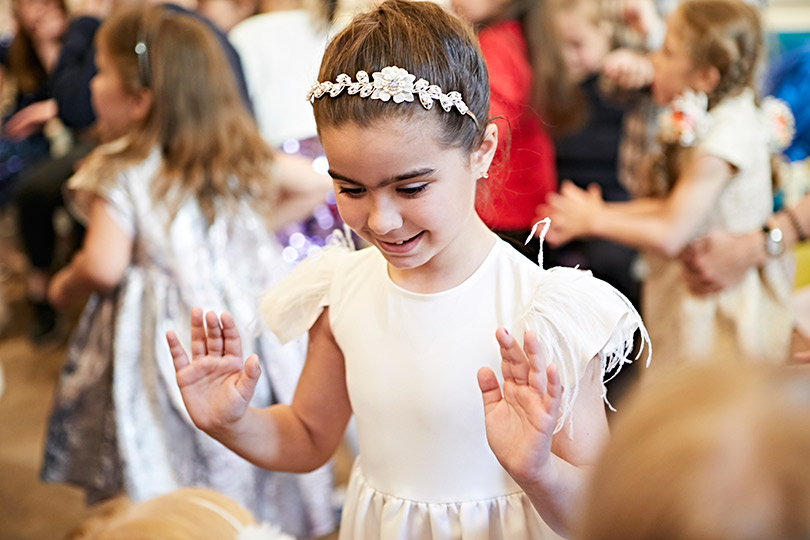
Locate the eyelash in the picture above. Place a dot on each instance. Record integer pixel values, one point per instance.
(414, 191)
(351, 192)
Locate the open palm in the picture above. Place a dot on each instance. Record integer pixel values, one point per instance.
(520, 421)
(216, 385)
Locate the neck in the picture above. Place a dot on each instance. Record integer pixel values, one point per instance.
(48, 53)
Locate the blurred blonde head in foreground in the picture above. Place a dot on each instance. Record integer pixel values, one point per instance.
(185, 514)
(707, 453)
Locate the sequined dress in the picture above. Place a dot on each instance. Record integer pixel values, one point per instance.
(118, 421)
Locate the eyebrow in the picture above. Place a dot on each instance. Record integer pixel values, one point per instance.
(416, 173)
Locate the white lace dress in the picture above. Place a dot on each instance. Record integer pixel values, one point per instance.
(424, 469)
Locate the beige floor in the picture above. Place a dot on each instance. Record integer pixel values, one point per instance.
(29, 509)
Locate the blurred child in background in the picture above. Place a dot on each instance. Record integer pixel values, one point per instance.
(714, 172)
(183, 192)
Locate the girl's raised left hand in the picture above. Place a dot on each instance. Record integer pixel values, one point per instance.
(216, 385)
(520, 421)
(572, 211)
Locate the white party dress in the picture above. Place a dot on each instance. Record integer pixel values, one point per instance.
(750, 321)
(425, 470)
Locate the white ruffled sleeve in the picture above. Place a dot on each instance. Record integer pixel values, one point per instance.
(293, 305)
(577, 317)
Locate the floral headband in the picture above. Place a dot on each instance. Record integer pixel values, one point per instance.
(391, 82)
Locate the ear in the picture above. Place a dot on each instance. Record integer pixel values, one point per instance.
(481, 157)
(141, 104)
(707, 79)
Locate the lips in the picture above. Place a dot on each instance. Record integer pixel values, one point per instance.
(402, 246)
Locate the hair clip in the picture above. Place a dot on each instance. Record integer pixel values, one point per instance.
(391, 83)
(143, 62)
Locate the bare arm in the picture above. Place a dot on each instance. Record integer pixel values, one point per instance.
(302, 189)
(551, 469)
(721, 259)
(217, 387)
(100, 263)
(575, 213)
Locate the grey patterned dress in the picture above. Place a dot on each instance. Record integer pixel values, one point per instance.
(118, 422)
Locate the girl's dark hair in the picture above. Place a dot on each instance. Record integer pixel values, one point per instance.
(427, 41)
(725, 34)
(211, 147)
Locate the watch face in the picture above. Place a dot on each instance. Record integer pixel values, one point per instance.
(773, 243)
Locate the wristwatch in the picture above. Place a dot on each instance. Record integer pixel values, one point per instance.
(773, 240)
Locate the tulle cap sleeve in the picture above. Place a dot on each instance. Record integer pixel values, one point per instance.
(293, 305)
(577, 317)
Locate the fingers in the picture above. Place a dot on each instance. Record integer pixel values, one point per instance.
(214, 340)
(232, 342)
(536, 363)
(553, 395)
(513, 359)
(177, 351)
(198, 346)
(246, 383)
(802, 357)
(568, 187)
(490, 389)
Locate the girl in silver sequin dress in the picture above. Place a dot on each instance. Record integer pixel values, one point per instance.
(181, 209)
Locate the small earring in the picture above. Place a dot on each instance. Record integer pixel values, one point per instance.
(484, 174)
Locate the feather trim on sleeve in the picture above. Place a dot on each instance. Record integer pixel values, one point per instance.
(577, 317)
(293, 305)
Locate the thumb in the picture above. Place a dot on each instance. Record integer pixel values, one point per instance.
(490, 389)
(246, 384)
(595, 190)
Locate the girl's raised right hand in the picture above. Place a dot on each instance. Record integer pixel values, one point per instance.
(216, 385)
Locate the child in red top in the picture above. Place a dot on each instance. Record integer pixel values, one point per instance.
(533, 99)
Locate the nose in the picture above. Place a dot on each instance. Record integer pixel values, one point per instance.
(383, 216)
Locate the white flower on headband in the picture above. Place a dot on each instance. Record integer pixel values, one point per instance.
(685, 121)
(391, 82)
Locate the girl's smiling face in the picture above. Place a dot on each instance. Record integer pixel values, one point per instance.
(399, 190)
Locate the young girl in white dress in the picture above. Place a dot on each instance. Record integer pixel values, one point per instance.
(398, 331)
(183, 194)
(714, 173)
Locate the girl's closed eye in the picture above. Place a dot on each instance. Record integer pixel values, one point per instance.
(351, 191)
(413, 190)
